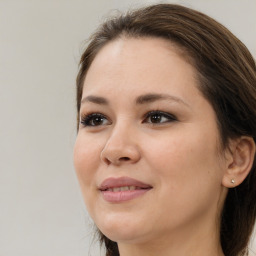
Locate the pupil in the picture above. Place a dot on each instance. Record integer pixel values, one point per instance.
(155, 118)
(97, 120)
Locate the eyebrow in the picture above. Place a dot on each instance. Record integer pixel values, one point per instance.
(152, 97)
(143, 99)
(95, 99)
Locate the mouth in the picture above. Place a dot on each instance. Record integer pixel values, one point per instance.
(125, 188)
(117, 190)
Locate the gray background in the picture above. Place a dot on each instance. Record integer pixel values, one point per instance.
(42, 211)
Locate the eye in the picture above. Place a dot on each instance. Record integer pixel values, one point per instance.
(159, 117)
(94, 119)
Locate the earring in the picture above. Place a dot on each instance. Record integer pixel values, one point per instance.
(232, 181)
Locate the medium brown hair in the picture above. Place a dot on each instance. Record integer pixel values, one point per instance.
(227, 79)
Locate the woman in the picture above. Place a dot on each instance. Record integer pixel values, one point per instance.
(166, 101)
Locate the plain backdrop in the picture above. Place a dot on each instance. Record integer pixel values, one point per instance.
(41, 209)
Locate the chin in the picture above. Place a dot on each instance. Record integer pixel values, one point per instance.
(121, 229)
(124, 236)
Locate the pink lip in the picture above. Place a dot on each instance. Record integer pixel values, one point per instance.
(121, 196)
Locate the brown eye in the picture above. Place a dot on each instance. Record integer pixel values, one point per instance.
(156, 118)
(159, 117)
(94, 120)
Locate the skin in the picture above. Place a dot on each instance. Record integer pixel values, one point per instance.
(180, 157)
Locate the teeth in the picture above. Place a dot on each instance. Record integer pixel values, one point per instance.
(126, 188)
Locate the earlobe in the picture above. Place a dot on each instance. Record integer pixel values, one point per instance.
(242, 157)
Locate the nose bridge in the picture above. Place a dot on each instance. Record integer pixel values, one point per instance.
(121, 145)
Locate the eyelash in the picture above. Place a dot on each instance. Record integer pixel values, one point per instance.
(86, 120)
(169, 117)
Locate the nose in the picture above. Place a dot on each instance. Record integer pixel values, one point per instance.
(121, 147)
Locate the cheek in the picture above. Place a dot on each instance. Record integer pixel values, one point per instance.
(86, 160)
(189, 177)
(187, 164)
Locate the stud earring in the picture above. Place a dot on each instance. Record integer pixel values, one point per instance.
(232, 181)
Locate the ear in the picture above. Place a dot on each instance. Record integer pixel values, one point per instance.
(239, 161)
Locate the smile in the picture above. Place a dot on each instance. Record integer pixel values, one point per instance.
(122, 188)
(117, 190)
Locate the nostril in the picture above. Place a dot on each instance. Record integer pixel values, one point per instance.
(124, 158)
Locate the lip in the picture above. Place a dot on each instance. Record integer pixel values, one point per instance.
(122, 182)
(121, 196)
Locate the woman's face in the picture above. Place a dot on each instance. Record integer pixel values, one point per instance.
(147, 150)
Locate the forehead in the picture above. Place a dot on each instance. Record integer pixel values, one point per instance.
(139, 66)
